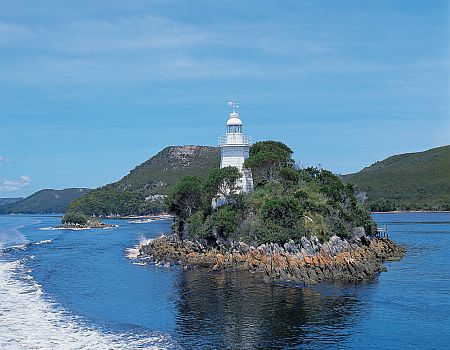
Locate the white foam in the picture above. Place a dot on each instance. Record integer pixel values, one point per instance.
(28, 320)
(133, 253)
(141, 221)
(18, 246)
(11, 237)
(144, 240)
(44, 241)
(22, 246)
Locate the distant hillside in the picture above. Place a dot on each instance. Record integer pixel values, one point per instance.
(44, 202)
(142, 191)
(410, 181)
(4, 201)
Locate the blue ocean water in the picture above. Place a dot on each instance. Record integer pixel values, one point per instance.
(77, 289)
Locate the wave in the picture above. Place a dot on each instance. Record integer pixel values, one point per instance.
(12, 237)
(44, 241)
(22, 246)
(133, 252)
(29, 320)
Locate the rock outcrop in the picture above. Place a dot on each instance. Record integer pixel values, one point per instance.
(308, 262)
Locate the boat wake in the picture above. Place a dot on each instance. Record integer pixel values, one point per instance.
(22, 246)
(30, 320)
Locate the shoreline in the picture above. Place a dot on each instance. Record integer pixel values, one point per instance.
(163, 216)
(77, 228)
(308, 262)
(58, 215)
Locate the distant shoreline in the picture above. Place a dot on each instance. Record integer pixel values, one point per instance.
(151, 216)
(75, 228)
(56, 215)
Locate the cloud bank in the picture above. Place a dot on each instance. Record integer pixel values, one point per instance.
(8, 185)
(5, 160)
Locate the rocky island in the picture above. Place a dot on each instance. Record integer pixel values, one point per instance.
(308, 262)
(298, 224)
(78, 221)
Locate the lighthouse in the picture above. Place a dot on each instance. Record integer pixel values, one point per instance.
(234, 149)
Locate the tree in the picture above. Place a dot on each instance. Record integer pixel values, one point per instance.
(222, 181)
(270, 146)
(186, 197)
(266, 160)
(289, 175)
(280, 220)
(74, 218)
(226, 221)
(382, 204)
(285, 212)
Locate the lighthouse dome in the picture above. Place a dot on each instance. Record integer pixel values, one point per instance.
(234, 119)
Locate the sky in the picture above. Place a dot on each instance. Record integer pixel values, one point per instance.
(91, 89)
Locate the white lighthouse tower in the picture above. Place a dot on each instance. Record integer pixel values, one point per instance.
(234, 149)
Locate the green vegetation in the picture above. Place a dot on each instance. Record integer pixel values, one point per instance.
(143, 190)
(75, 218)
(267, 159)
(80, 219)
(222, 182)
(44, 202)
(185, 197)
(5, 201)
(288, 203)
(412, 181)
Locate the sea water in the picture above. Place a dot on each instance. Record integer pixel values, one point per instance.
(78, 290)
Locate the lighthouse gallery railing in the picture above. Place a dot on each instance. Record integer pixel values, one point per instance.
(237, 139)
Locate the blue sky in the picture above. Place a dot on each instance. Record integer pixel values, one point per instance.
(90, 89)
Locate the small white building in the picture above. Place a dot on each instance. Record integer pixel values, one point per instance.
(234, 149)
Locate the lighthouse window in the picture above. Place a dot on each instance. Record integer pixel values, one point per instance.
(234, 128)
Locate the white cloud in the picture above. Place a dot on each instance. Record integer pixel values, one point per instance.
(8, 185)
(5, 160)
(150, 47)
(12, 34)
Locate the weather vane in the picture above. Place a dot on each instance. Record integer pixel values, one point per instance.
(233, 105)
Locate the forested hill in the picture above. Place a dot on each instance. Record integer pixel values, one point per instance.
(410, 181)
(4, 201)
(44, 202)
(143, 189)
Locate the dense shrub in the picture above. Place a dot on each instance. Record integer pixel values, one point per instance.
(288, 203)
(266, 159)
(108, 201)
(226, 221)
(285, 212)
(186, 197)
(75, 218)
